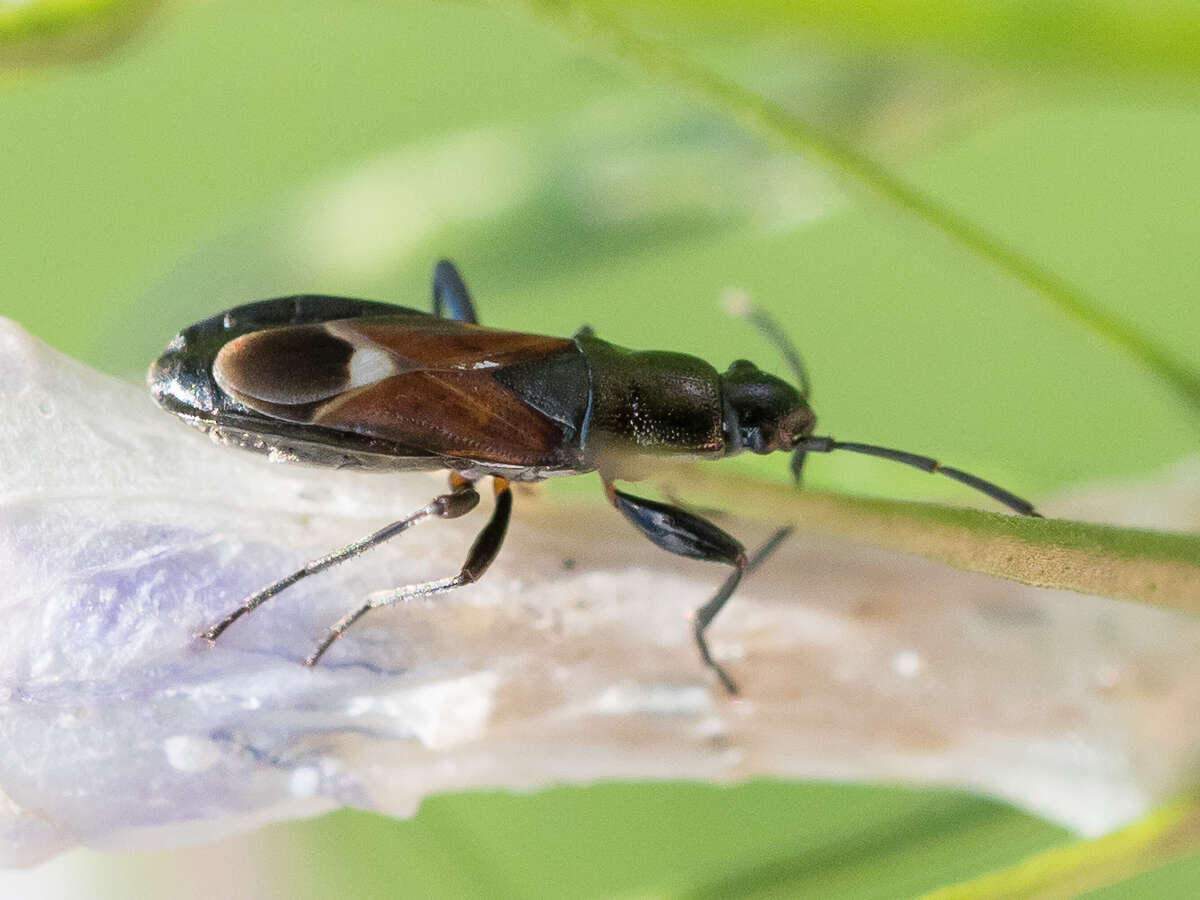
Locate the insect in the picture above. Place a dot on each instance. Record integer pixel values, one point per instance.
(347, 383)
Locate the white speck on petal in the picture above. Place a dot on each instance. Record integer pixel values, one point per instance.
(187, 753)
(907, 663)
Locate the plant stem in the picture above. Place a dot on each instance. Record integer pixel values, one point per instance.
(1166, 834)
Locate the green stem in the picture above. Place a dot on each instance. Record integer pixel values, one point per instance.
(1155, 568)
(1165, 835)
(585, 21)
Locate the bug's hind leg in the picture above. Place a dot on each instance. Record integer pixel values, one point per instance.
(686, 534)
(451, 299)
(481, 555)
(461, 500)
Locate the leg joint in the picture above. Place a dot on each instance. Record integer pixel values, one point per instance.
(458, 503)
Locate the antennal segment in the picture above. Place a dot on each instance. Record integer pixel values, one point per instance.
(738, 303)
(828, 445)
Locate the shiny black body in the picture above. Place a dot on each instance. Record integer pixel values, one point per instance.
(600, 403)
(182, 382)
(346, 383)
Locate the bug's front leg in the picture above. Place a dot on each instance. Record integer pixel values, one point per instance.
(686, 534)
(461, 500)
(481, 555)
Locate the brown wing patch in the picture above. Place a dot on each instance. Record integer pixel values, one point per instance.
(462, 413)
(445, 344)
(425, 383)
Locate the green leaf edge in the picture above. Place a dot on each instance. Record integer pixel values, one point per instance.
(1171, 831)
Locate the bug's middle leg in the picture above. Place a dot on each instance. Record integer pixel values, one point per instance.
(686, 534)
(481, 555)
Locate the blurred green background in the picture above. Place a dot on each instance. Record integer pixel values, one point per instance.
(224, 151)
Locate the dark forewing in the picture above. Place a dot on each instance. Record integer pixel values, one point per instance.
(445, 387)
(182, 382)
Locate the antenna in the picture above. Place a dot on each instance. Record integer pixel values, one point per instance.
(828, 445)
(737, 302)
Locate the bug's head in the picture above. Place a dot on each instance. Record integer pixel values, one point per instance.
(762, 413)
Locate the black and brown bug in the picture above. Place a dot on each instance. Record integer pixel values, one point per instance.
(347, 383)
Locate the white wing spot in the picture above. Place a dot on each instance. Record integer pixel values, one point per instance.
(369, 365)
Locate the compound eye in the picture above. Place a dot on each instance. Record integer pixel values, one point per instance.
(742, 365)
